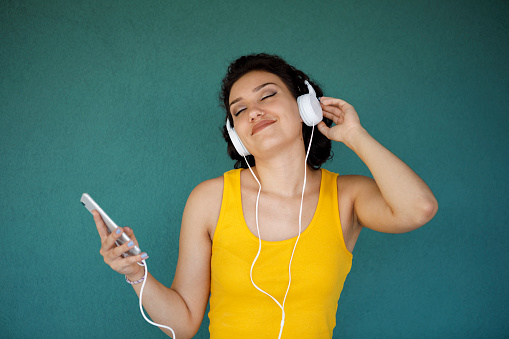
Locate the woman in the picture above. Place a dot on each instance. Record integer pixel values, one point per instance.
(226, 218)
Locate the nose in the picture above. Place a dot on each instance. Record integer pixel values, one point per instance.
(255, 114)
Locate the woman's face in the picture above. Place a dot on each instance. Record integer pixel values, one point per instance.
(264, 112)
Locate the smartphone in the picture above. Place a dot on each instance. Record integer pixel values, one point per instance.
(91, 205)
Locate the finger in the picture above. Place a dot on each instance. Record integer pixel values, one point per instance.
(122, 262)
(322, 127)
(130, 233)
(334, 102)
(337, 116)
(109, 243)
(136, 258)
(332, 109)
(129, 265)
(119, 250)
(100, 225)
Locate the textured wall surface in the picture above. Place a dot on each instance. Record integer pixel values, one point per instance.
(119, 99)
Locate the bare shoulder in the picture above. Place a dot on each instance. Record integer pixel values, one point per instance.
(208, 190)
(204, 204)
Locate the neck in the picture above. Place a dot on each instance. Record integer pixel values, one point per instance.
(283, 174)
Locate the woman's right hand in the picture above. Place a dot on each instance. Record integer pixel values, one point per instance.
(112, 253)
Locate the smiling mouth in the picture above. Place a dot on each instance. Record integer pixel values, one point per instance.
(261, 125)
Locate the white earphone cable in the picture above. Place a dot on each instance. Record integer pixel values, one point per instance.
(141, 303)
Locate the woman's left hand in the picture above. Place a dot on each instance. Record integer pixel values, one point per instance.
(343, 115)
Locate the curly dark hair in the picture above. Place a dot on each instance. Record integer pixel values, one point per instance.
(294, 80)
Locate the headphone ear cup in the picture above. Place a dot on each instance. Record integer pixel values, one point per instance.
(309, 107)
(237, 143)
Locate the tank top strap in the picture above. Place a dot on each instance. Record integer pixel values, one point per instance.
(329, 192)
(230, 204)
(330, 207)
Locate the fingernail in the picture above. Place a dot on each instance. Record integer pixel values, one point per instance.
(144, 256)
(118, 231)
(130, 244)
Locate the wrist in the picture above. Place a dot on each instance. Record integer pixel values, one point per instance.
(355, 136)
(139, 274)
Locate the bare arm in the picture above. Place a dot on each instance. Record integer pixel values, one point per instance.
(183, 305)
(397, 200)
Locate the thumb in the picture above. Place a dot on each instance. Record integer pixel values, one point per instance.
(322, 127)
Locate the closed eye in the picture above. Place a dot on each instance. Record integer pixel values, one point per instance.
(240, 111)
(268, 96)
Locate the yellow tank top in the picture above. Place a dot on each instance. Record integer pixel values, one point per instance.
(320, 265)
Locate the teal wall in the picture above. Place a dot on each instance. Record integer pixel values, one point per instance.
(119, 99)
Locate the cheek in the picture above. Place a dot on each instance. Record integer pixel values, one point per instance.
(293, 122)
(242, 125)
(295, 108)
(295, 112)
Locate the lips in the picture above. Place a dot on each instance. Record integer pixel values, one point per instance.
(261, 125)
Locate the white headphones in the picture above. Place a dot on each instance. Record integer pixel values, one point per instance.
(309, 109)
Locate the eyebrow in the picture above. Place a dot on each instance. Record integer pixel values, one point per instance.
(256, 89)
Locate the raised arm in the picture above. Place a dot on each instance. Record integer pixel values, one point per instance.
(182, 306)
(397, 200)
